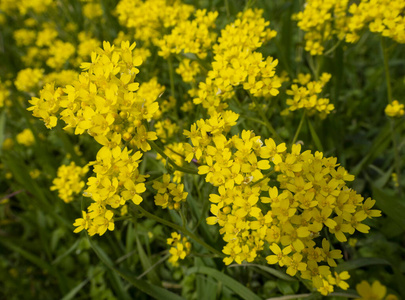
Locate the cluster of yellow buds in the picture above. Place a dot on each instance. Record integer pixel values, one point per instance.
(4, 93)
(169, 195)
(195, 36)
(395, 109)
(305, 96)
(117, 180)
(25, 137)
(188, 70)
(235, 62)
(29, 80)
(321, 21)
(151, 18)
(382, 16)
(69, 181)
(180, 247)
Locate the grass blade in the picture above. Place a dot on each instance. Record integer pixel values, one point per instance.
(227, 281)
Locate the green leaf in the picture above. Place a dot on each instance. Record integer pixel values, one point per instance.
(144, 286)
(314, 136)
(274, 272)
(360, 263)
(390, 204)
(380, 143)
(227, 281)
(27, 255)
(146, 264)
(75, 290)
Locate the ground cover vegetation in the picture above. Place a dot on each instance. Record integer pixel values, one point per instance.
(202, 149)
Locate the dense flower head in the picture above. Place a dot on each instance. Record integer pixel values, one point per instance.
(180, 247)
(305, 95)
(375, 291)
(69, 181)
(103, 100)
(29, 80)
(321, 21)
(116, 181)
(25, 137)
(236, 63)
(106, 103)
(255, 214)
(385, 17)
(169, 194)
(195, 36)
(395, 109)
(150, 18)
(4, 93)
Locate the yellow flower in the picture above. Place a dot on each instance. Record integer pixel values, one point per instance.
(376, 291)
(395, 109)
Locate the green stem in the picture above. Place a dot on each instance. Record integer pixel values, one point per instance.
(389, 94)
(299, 128)
(179, 228)
(265, 120)
(386, 69)
(228, 11)
(171, 75)
(170, 161)
(396, 157)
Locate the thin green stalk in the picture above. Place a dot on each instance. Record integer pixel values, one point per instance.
(179, 228)
(396, 157)
(265, 120)
(170, 161)
(299, 128)
(228, 11)
(386, 69)
(171, 75)
(392, 127)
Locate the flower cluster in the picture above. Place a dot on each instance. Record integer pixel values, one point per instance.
(385, 17)
(117, 180)
(25, 137)
(149, 19)
(69, 181)
(252, 213)
(179, 248)
(236, 63)
(324, 20)
(306, 96)
(321, 21)
(4, 93)
(376, 291)
(29, 80)
(193, 36)
(169, 195)
(395, 109)
(103, 102)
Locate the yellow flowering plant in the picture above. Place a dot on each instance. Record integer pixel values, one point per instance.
(201, 149)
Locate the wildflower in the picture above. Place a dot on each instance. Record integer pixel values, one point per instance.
(375, 291)
(395, 109)
(179, 248)
(25, 138)
(69, 181)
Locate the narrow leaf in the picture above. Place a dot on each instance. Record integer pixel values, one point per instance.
(360, 263)
(390, 204)
(227, 281)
